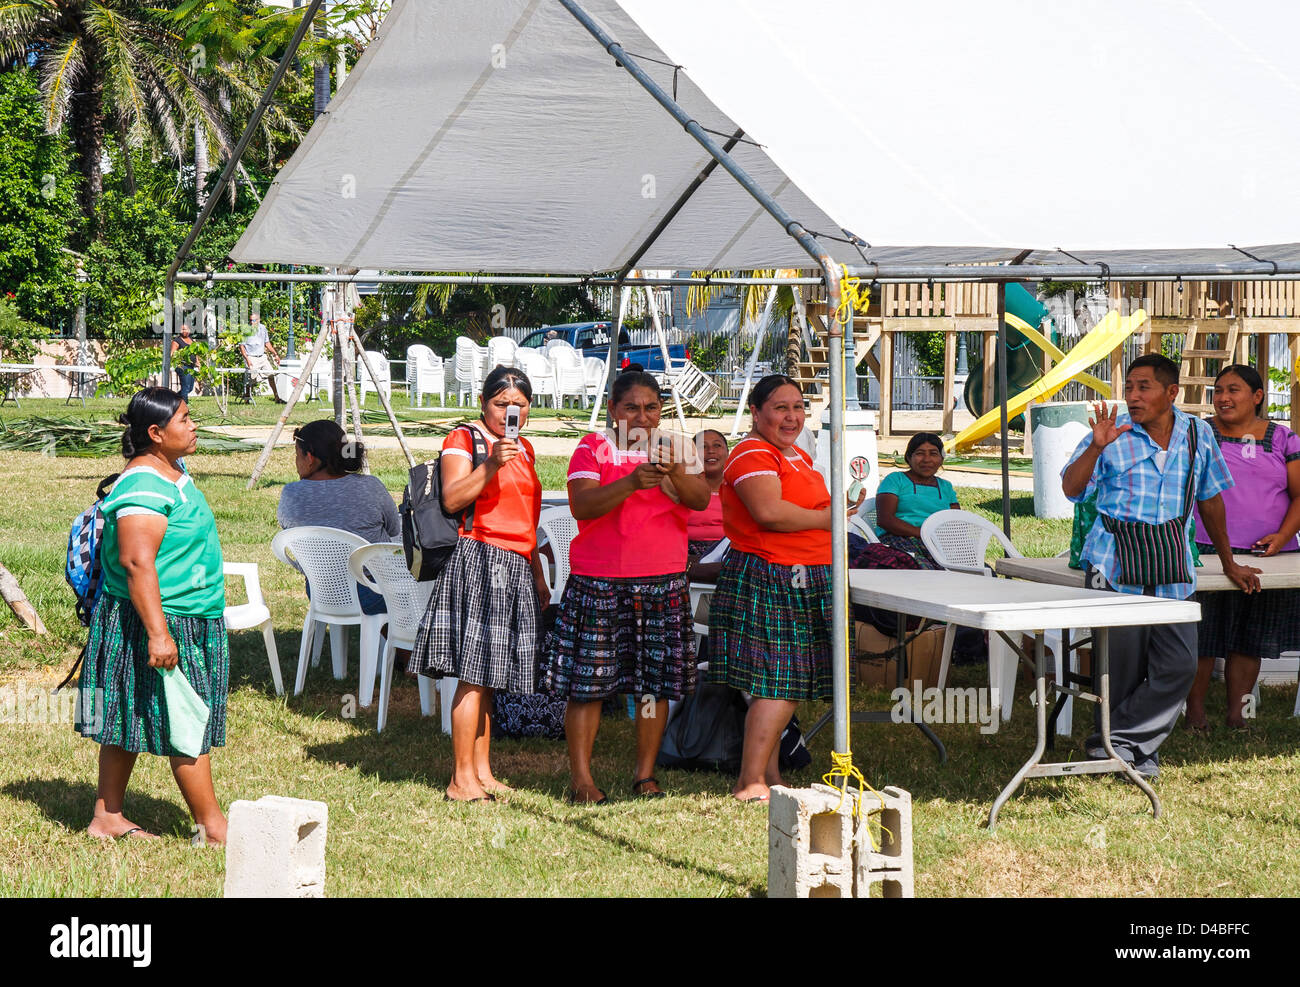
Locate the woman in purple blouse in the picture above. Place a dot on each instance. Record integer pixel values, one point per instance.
(1263, 511)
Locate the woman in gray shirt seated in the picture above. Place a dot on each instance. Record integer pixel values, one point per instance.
(332, 493)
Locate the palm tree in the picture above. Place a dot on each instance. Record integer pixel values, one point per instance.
(108, 63)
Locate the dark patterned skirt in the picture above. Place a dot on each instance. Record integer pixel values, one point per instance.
(121, 701)
(1261, 625)
(913, 547)
(616, 636)
(769, 629)
(482, 622)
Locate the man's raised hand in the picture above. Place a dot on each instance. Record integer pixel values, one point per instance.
(1104, 429)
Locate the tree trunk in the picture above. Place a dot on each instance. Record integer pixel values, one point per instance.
(13, 594)
(127, 164)
(88, 139)
(200, 165)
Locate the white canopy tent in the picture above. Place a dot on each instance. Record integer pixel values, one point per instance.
(498, 136)
(501, 136)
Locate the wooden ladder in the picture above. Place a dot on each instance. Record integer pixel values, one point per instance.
(865, 333)
(1195, 376)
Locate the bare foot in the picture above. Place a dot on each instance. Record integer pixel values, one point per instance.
(473, 792)
(751, 793)
(210, 833)
(490, 784)
(115, 826)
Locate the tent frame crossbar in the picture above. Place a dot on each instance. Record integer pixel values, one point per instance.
(565, 280)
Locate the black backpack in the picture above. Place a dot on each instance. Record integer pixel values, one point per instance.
(429, 532)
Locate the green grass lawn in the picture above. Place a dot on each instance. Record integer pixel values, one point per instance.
(1232, 803)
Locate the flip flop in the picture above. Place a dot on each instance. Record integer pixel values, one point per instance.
(572, 799)
(489, 797)
(647, 795)
(754, 798)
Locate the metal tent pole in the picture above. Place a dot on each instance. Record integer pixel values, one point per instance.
(1002, 404)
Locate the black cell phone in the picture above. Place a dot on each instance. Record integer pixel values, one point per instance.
(512, 422)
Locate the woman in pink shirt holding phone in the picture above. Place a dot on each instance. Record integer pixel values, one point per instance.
(624, 624)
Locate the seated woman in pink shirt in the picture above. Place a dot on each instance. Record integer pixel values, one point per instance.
(624, 622)
(704, 528)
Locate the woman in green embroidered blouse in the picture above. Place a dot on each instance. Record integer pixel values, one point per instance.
(906, 499)
(162, 608)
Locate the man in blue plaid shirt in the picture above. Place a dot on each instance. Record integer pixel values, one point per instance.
(1137, 465)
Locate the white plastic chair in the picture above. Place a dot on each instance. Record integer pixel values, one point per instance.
(382, 568)
(501, 353)
(383, 379)
(864, 521)
(540, 371)
(321, 554)
(559, 528)
(254, 613)
(593, 369)
(570, 375)
(425, 374)
(695, 388)
(469, 369)
(958, 541)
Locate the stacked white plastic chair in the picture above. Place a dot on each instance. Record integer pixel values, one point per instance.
(383, 379)
(501, 352)
(593, 369)
(540, 371)
(958, 541)
(322, 556)
(570, 375)
(557, 528)
(469, 370)
(382, 568)
(425, 374)
(254, 613)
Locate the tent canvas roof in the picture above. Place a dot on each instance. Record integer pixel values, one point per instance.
(497, 135)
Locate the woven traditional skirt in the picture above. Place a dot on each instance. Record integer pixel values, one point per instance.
(913, 547)
(1261, 625)
(769, 628)
(121, 699)
(616, 636)
(481, 625)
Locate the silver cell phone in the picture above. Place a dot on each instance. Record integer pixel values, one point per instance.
(512, 422)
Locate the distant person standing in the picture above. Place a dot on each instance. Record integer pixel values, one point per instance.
(179, 342)
(254, 347)
(1148, 469)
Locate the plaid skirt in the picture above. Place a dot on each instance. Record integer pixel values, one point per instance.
(1261, 625)
(482, 624)
(769, 628)
(615, 636)
(121, 702)
(913, 547)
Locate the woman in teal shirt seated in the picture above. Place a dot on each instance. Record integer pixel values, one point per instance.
(906, 499)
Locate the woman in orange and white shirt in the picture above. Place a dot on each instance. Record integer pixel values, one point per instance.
(770, 623)
(482, 624)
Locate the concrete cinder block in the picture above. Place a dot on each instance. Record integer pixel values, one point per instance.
(810, 845)
(891, 865)
(275, 848)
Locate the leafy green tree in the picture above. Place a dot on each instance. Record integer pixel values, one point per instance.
(37, 202)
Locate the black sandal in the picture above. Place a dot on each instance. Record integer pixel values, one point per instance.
(572, 799)
(647, 795)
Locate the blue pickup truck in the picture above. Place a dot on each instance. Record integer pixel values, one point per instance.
(592, 339)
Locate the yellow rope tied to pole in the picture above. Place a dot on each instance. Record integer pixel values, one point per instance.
(853, 297)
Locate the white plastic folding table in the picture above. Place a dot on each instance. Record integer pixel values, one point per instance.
(11, 375)
(1012, 608)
